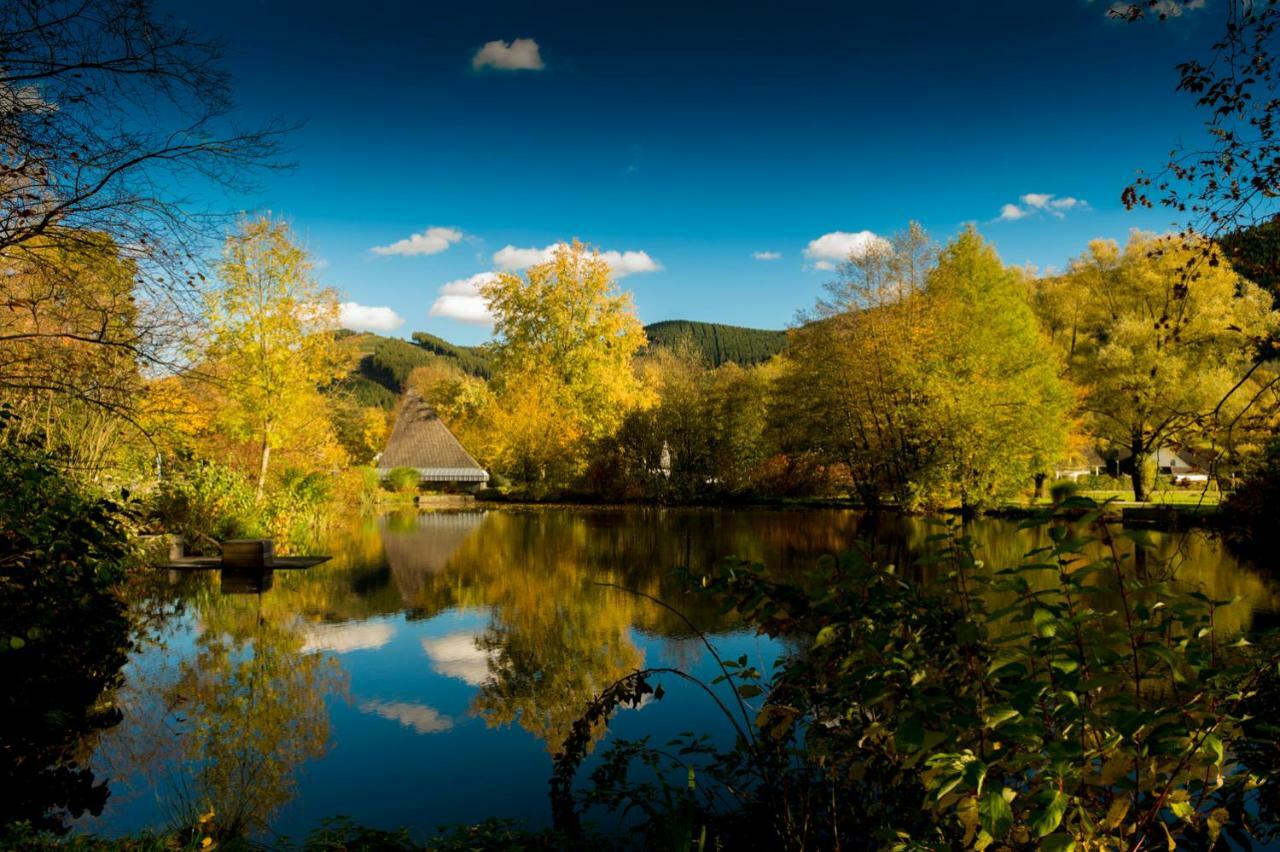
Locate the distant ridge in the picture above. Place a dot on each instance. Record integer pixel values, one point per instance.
(381, 365)
(720, 343)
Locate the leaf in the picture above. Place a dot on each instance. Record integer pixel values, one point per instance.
(825, 636)
(748, 690)
(1214, 745)
(997, 715)
(994, 814)
(1048, 819)
(1057, 843)
(1117, 812)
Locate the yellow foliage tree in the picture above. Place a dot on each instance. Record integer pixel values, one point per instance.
(1160, 362)
(563, 374)
(271, 346)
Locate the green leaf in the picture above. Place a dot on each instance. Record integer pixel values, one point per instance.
(825, 636)
(1214, 745)
(996, 715)
(1057, 843)
(1047, 820)
(749, 690)
(994, 814)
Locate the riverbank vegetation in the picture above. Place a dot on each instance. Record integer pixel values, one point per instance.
(166, 370)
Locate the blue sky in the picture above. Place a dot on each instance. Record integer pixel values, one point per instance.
(694, 136)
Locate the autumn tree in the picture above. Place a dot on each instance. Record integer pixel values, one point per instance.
(270, 345)
(562, 363)
(107, 112)
(1158, 361)
(926, 374)
(996, 406)
(68, 344)
(853, 388)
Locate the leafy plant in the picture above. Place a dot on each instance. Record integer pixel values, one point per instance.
(1082, 698)
(1062, 491)
(403, 479)
(63, 632)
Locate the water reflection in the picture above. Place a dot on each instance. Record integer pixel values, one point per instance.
(440, 657)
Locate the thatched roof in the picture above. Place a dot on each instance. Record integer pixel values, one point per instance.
(421, 441)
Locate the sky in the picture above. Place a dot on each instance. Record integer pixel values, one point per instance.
(721, 155)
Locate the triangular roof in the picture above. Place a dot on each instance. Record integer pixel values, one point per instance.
(421, 440)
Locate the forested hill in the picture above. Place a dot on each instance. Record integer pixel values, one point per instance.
(381, 365)
(720, 343)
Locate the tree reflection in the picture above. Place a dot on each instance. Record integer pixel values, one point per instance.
(253, 704)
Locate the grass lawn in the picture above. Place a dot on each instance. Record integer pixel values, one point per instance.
(1165, 497)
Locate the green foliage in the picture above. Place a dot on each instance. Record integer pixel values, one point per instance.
(403, 479)
(719, 343)
(63, 632)
(1254, 252)
(1083, 698)
(473, 360)
(205, 502)
(389, 361)
(1252, 507)
(367, 391)
(1059, 492)
(706, 436)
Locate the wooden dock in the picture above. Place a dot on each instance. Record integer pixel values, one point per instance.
(244, 554)
(215, 563)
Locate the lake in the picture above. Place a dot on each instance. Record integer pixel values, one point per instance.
(427, 673)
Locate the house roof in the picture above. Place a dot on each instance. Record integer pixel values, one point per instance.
(421, 440)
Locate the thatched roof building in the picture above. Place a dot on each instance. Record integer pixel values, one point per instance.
(421, 441)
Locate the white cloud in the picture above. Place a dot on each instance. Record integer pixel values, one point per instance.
(420, 717)
(1034, 203)
(430, 241)
(1012, 212)
(519, 55)
(620, 263)
(838, 246)
(767, 255)
(461, 300)
(360, 317)
(458, 655)
(342, 638)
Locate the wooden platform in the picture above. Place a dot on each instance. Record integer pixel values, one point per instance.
(214, 563)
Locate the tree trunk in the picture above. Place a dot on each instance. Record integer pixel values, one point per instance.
(1138, 476)
(1039, 489)
(262, 470)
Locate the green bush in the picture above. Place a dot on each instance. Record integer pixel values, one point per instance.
(64, 632)
(1062, 491)
(1082, 698)
(206, 502)
(404, 479)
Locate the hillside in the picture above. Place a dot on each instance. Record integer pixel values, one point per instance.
(471, 359)
(718, 342)
(382, 364)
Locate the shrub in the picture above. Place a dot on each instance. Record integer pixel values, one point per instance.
(1080, 699)
(206, 502)
(1063, 490)
(403, 479)
(294, 512)
(1251, 508)
(63, 632)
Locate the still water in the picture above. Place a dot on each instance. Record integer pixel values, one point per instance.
(426, 675)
